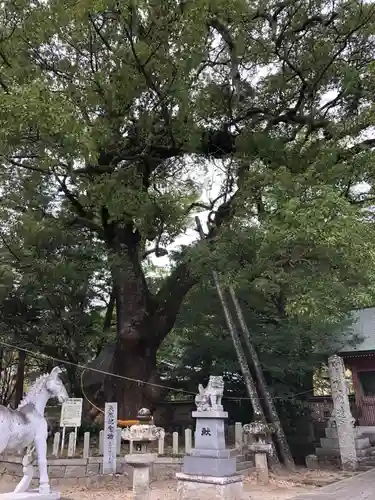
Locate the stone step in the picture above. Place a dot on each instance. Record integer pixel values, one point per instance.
(365, 466)
(366, 463)
(335, 452)
(370, 436)
(360, 443)
(367, 460)
(245, 466)
(331, 432)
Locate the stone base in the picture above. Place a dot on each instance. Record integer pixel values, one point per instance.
(141, 459)
(30, 495)
(209, 488)
(212, 413)
(209, 466)
(223, 453)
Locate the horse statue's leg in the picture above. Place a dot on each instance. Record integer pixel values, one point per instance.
(41, 450)
(28, 471)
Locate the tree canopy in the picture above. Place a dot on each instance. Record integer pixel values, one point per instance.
(114, 114)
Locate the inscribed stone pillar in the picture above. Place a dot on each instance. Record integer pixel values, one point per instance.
(110, 436)
(342, 414)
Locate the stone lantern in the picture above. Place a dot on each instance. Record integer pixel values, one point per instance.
(140, 459)
(260, 431)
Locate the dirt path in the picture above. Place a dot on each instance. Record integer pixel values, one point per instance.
(360, 487)
(166, 490)
(282, 487)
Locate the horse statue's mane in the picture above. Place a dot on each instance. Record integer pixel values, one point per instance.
(34, 390)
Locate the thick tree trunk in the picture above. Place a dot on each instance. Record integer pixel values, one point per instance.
(137, 364)
(20, 378)
(143, 321)
(107, 323)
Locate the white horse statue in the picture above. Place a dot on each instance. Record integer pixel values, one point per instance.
(26, 427)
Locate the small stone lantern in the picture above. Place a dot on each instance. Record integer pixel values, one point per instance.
(260, 431)
(141, 435)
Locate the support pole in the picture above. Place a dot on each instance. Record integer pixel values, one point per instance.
(249, 381)
(284, 449)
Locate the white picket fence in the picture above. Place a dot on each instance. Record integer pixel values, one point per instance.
(178, 448)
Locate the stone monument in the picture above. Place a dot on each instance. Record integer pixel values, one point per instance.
(141, 435)
(209, 472)
(342, 418)
(110, 439)
(26, 429)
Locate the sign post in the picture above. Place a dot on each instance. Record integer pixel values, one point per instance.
(71, 416)
(110, 437)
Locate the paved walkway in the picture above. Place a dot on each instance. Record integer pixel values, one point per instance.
(360, 487)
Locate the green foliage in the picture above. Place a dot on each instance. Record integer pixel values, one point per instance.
(312, 250)
(113, 118)
(290, 348)
(49, 303)
(103, 95)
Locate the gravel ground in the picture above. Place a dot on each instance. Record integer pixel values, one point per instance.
(283, 486)
(166, 490)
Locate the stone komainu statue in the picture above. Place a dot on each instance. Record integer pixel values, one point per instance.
(209, 398)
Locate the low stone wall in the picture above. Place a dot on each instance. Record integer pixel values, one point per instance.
(86, 471)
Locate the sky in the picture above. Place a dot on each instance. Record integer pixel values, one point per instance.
(211, 183)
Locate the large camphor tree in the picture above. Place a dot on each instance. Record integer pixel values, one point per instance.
(116, 111)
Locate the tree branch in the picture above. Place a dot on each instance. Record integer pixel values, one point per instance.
(99, 33)
(172, 293)
(356, 149)
(159, 252)
(223, 30)
(169, 299)
(27, 166)
(84, 217)
(205, 206)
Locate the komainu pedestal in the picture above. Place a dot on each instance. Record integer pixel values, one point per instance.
(209, 488)
(209, 472)
(209, 455)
